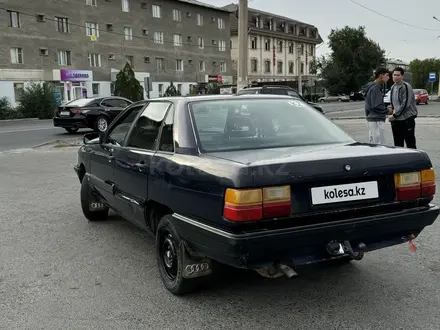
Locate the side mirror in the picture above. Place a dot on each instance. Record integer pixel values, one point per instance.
(90, 138)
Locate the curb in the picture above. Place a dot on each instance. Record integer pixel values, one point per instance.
(44, 144)
(22, 119)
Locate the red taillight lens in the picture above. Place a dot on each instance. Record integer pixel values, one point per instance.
(75, 111)
(414, 185)
(257, 204)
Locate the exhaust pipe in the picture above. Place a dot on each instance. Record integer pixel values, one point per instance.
(277, 270)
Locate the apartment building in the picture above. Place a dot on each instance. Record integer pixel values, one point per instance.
(82, 44)
(280, 48)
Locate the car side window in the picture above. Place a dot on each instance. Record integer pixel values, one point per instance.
(120, 130)
(166, 142)
(146, 129)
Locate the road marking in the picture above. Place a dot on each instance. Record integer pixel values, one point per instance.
(27, 130)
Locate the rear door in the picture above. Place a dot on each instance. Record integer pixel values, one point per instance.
(133, 161)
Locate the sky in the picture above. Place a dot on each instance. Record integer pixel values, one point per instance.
(421, 40)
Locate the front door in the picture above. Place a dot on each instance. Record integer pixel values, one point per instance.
(133, 162)
(102, 158)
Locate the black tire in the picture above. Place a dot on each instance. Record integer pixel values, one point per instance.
(339, 100)
(171, 272)
(99, 124)
(87, 197)
(426, 102)
(71, 130)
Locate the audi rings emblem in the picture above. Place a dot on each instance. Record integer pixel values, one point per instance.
(347, 168)
(196, 268)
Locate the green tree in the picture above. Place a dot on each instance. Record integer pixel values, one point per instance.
(126, 85)
(37, 100)
(6, 111)
(171, 90)
(353, 59)
(420, 70)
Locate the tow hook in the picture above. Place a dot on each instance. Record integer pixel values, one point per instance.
(336, 249)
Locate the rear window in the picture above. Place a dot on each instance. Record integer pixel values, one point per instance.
(224, 125)
(80, 102)
(247, 91)
(417, 91)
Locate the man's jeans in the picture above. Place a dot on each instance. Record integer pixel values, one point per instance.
(377, 132)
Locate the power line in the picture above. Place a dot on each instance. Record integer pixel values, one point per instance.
(83, 26)
(393, 19)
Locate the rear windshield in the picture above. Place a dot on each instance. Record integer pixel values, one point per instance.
(223, 125)
(80, 102)
(417, 91)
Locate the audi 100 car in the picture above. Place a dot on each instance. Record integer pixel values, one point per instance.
(261, 182)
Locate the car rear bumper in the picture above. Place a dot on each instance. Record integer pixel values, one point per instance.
(70, 122)
(302, 245)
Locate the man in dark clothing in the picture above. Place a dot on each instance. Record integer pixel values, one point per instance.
(375, 110)
(403, 105)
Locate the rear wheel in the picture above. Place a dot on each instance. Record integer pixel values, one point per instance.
(426, 102)
(71, 130)
(92, 208)
(169, 260)
(101, 124)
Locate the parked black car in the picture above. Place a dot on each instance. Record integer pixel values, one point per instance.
(278, 90)
(260, 182)
(96, 113)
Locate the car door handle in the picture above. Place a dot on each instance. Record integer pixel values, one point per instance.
(141, 166)
(110, 158)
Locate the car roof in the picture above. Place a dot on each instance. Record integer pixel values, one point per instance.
(221, 97)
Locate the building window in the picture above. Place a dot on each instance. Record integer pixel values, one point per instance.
(179, 65)
(258, 21)
(271, 24)
(179, 89)
(160, 63)
(267, 45)
(199, 20)
(17, 55)
(280, 46)
(18, 88)
(128, 33)
(64, 57)
(130, 60)
(201, 43)
(222, 66)
(95, 60)
(62, 24)
(221, 23)
(301, 49)
(267, 66)
(280, 67)
(254, 42)
(126, 6)
(95, 89)
(291, 47)
(302, 68)
(290, 67)
(312, 50)
(202, 66)
(14, 19)
(158, 37)
(177, 39)
(177, 15)
(156, 11)
(92, 29)
(222, 45)
(254, 65)
(160, 90)
(92, 2)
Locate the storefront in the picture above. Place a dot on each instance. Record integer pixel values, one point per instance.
(72, 84)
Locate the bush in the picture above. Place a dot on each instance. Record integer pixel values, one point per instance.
(37, 101)
(6, 111)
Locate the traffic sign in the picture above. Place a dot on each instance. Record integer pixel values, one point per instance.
(432, 77)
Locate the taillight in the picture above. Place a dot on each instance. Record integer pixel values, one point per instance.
(257, 204)
(414, 185)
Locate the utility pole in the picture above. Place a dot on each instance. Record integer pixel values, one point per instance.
(243, 47)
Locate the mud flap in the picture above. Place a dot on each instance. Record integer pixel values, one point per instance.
(193, 267)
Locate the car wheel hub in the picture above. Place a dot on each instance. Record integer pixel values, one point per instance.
(169, 256)
(102, 124)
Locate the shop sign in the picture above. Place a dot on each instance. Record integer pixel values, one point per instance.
(76, 75)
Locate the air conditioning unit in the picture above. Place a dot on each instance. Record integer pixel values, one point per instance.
(144, 5)
(41, 18)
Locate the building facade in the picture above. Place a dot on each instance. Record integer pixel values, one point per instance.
(280, 48)
(82, 44)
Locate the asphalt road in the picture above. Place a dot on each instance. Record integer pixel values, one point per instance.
(58, 271)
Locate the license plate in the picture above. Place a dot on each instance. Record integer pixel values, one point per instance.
(345, 193)
(65, 113)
